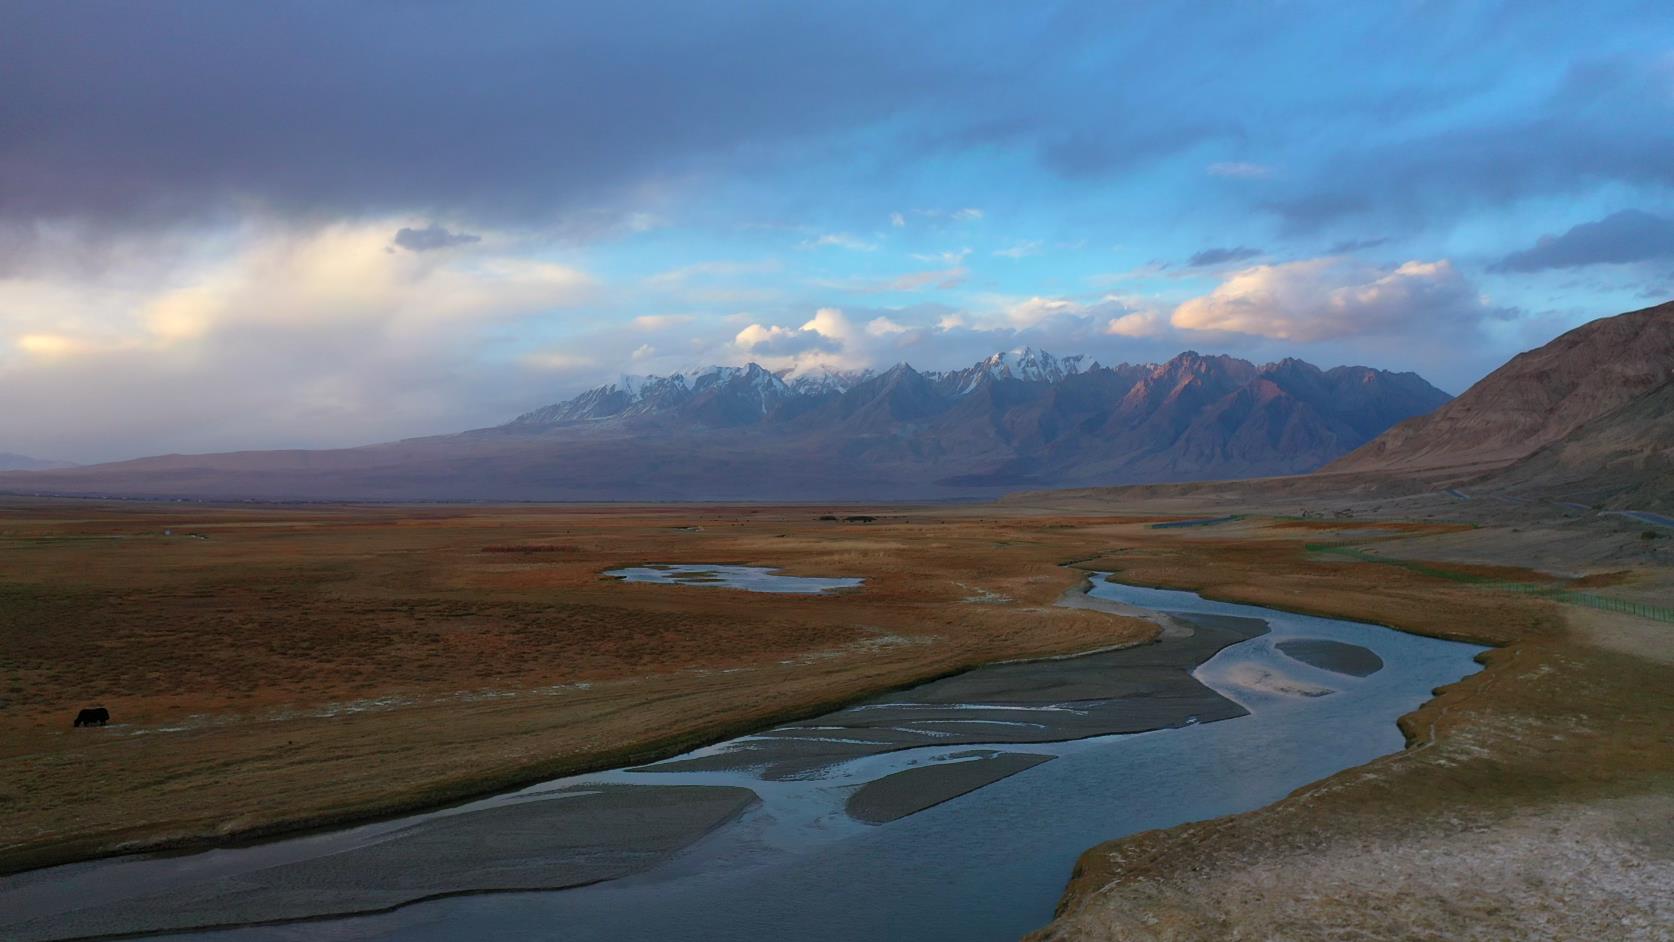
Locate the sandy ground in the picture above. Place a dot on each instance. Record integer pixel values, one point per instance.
(1129, 690)
(910, 791)
(1336, 656)
(1596, 870)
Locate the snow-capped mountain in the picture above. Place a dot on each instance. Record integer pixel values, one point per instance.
(1021, 418)
(1027, 365)
(753, 391)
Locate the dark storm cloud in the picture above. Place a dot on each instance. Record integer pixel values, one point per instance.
(1221, 256)
(1608, 120)
(143, 113)
(123, 115)
(432, 237)
(1626, 236)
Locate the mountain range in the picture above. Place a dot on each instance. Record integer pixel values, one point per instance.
(1015, 419)
(10, 461)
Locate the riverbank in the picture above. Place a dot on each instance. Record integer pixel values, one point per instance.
(1534, 799)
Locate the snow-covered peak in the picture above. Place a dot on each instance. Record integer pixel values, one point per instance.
(823, 380)
(1026, 364)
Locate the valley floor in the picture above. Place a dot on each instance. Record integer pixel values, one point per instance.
(275, 668)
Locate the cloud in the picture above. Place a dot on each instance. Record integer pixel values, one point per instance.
(558, 361)
(1334, 298)
(1239, 170)
(1619, 238)
(1019, 250)
(773, 341)
(1349, 246)
(432, 237)
(897, 220)
(951, 257)
(941, 278)
(841, 240)
(659, 322)
(1601, 122)
(676, 277)
(324, 335)
(343, 111)
(829, 322)
(1209, 257)
(968, 214)
(1137, 324)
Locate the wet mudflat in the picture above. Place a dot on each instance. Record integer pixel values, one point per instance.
(953, 810)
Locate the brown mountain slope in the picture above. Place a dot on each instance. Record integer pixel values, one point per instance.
(1536, 399)
(1623, 460)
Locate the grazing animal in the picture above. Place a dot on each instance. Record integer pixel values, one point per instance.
(93, 716)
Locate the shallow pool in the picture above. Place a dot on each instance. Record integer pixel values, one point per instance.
(749, 578)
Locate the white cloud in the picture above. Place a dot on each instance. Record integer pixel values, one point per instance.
(968, 214)
(1020, 250)
(829, 322)
(1032, 311)
(326, 335)
(943, 278)
(1335, 297)
(951, 257)
(677, 277)
(897, 220)
(841, 240)
(659, 322)
(558, 361)
(1137, 324)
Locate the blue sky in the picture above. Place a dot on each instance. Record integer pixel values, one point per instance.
(229, 226)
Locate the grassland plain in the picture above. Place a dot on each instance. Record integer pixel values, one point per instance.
(276, 668)
(312, 665)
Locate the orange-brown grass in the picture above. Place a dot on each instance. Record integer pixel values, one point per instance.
(270, 668)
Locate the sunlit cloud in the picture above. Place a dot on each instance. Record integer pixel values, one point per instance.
(657, 322)
(1335, 297)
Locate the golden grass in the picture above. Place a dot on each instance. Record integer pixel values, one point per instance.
(270, 668)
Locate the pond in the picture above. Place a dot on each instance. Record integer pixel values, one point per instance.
(748, 578)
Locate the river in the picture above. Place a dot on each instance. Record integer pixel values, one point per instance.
(1241, 730)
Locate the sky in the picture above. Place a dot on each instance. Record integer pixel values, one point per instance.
(228, 226)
